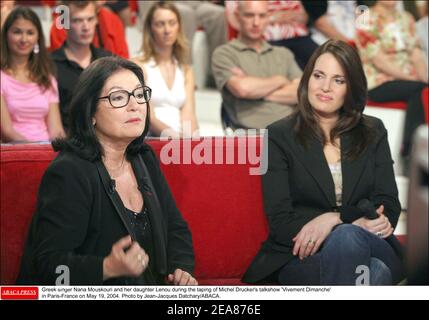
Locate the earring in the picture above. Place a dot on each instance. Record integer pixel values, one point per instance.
(36, 49)
(93, 122)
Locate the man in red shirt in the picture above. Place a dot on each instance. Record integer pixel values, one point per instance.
(110, 33)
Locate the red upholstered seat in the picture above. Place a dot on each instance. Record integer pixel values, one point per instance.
(401, 105)
(221, 202)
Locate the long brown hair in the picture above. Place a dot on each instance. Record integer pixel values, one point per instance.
(351, 120)
(40, 65)
(180, 49)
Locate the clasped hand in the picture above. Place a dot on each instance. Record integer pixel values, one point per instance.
(380, 226)
(311, 236)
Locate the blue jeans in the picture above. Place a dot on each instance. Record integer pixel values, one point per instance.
(350, 255)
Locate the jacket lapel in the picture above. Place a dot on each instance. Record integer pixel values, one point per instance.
(351, 169)
(109, 187)
(314, 161)
(151, 200)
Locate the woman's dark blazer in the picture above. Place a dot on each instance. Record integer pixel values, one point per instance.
(298, 187)
(77, 221)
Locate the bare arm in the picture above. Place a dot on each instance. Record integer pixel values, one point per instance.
(382, 62)
(247, 87)
(53, 122)
(289, 17)
(188, 115)
(8, 133)
(286, 94)
(324, 26)
(419, 62)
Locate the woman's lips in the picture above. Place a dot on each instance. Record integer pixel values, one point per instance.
(134, 120)
(323, 97)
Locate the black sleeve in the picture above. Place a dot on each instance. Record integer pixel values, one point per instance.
(61, 225)
(315, 9)
(283, 220)
(348, 214)
(180, 252)
(385, 190)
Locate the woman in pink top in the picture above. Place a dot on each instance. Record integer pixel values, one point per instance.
(29, 93)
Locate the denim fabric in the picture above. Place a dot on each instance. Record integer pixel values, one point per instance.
(350, 255)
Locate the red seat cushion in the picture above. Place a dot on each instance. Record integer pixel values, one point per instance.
(222, 204)
(401, 105)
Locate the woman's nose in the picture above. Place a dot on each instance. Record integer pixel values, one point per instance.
(326, 85)
(132, 103)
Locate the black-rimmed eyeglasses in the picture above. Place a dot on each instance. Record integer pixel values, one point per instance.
(120, 98)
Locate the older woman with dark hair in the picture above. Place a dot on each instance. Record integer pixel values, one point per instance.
(105, 214)
(329, 192)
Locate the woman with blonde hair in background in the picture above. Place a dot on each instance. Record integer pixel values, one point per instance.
(165, 53)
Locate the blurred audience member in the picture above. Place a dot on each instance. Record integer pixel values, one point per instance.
(210, 15)
(422, 29)
(258, 81)
(109, 32)
(164, 62)
(422, 8)
(77, 52)
(29, 93)
(337, 20)
(5, 8)
(287, 27)
(122, 10)
(394, 63)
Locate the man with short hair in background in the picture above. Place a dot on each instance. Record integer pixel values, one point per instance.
(258, 81)
(77, 52)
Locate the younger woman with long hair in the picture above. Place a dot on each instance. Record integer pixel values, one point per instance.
(164, 62)
(29, 93)
(330, 193)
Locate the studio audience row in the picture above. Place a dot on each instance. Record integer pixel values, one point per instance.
(165, 64)
(258, 78)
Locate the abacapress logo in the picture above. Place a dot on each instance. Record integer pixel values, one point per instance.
(19, 293)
